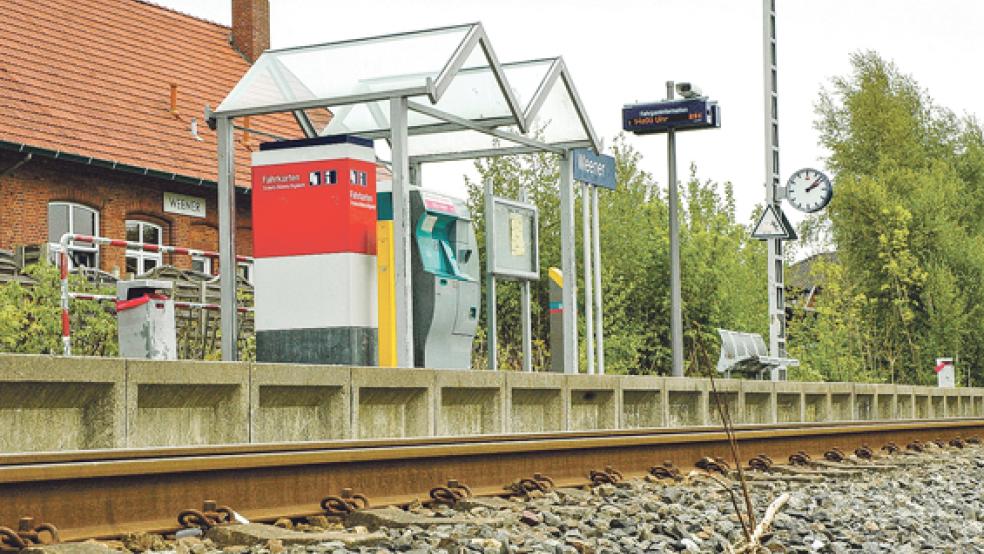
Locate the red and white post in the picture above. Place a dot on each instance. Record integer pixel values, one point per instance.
(66, 326)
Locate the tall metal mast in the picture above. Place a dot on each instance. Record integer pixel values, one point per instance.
(773, 191)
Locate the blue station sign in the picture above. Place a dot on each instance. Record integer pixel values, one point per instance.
(679, 115)
(594, 169)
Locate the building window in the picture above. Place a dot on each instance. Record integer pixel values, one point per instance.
(68, 217)
(141, 261)
(245, 270)
(201, 264)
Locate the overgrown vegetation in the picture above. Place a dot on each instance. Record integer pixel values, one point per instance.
(30, 317)
(905, 286)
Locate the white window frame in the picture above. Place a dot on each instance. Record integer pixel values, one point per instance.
(247, 270)
(143, 256)
(54, 247)
(206, 263)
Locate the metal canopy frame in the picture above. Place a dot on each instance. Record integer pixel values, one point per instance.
(276, 84)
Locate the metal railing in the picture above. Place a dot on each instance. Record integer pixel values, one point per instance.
(64, 265)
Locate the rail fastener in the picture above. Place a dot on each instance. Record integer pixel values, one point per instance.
(451, 494)
(609, 476)
(27, 534)
(799, 458)
(891, 448)
(864, 452)
(714, 465)
(761, 462)
(666, 470)
(835, 454)
(347, 502)
(526, 485)
(211, 515)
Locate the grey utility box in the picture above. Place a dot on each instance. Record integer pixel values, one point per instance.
(145, 319)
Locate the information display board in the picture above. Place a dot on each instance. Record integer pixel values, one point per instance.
(515, 239)
(679, 115)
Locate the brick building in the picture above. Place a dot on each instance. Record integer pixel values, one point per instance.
(102, 129)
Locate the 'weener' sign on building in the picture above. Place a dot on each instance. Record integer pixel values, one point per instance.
(183, 204)
(594, 169)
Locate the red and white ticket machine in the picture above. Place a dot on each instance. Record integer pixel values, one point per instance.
(314, 242)
(314, 196)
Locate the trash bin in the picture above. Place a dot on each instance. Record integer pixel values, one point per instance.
(145, 319)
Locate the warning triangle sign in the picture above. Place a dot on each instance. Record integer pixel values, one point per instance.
(772, 224)
(790, 231)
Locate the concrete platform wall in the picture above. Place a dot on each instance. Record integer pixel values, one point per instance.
(299, 403)
(61, 403)
(188, 403)
(52, 403)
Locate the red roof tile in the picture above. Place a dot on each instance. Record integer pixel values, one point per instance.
(93, 77)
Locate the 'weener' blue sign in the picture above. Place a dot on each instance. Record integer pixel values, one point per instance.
(594, 169)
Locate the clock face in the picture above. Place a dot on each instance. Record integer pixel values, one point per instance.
(809, 190)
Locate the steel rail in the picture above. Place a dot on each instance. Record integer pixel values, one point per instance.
(107, 493)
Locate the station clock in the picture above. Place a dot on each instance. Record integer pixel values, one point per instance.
(809, 190)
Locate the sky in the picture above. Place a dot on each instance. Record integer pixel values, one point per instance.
(624, 51)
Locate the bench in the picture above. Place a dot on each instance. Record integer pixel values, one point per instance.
(746, 353)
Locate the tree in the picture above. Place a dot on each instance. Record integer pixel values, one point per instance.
(909, 181)
(718, 259)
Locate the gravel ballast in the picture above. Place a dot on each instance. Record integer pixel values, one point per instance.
(925, 502)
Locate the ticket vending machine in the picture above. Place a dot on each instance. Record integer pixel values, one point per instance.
(314, 242)
(445, 271)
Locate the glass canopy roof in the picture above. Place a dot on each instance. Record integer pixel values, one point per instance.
(462, 101)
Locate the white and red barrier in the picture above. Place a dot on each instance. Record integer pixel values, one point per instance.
(177, 303)
(64, 264)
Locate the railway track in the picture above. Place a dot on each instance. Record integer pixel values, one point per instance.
(105, 494)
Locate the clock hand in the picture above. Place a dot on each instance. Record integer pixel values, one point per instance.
(813, 186)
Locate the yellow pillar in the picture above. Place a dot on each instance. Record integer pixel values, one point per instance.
(385, 281)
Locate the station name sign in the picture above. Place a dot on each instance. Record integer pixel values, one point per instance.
(183, 204)
(679, 115)
(594, 169)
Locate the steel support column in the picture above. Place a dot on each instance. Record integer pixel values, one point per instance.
(227, 238)
(588, 279)
(568, 261)
(676, 309)
(524, 305)
(491, 319)
(599, 310)
(401, 232)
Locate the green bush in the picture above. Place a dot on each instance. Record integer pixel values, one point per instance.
(30, 316)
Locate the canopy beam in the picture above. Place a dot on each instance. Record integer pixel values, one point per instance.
(493, 152)
(468, 124)
(326, 102)
(438, 128)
